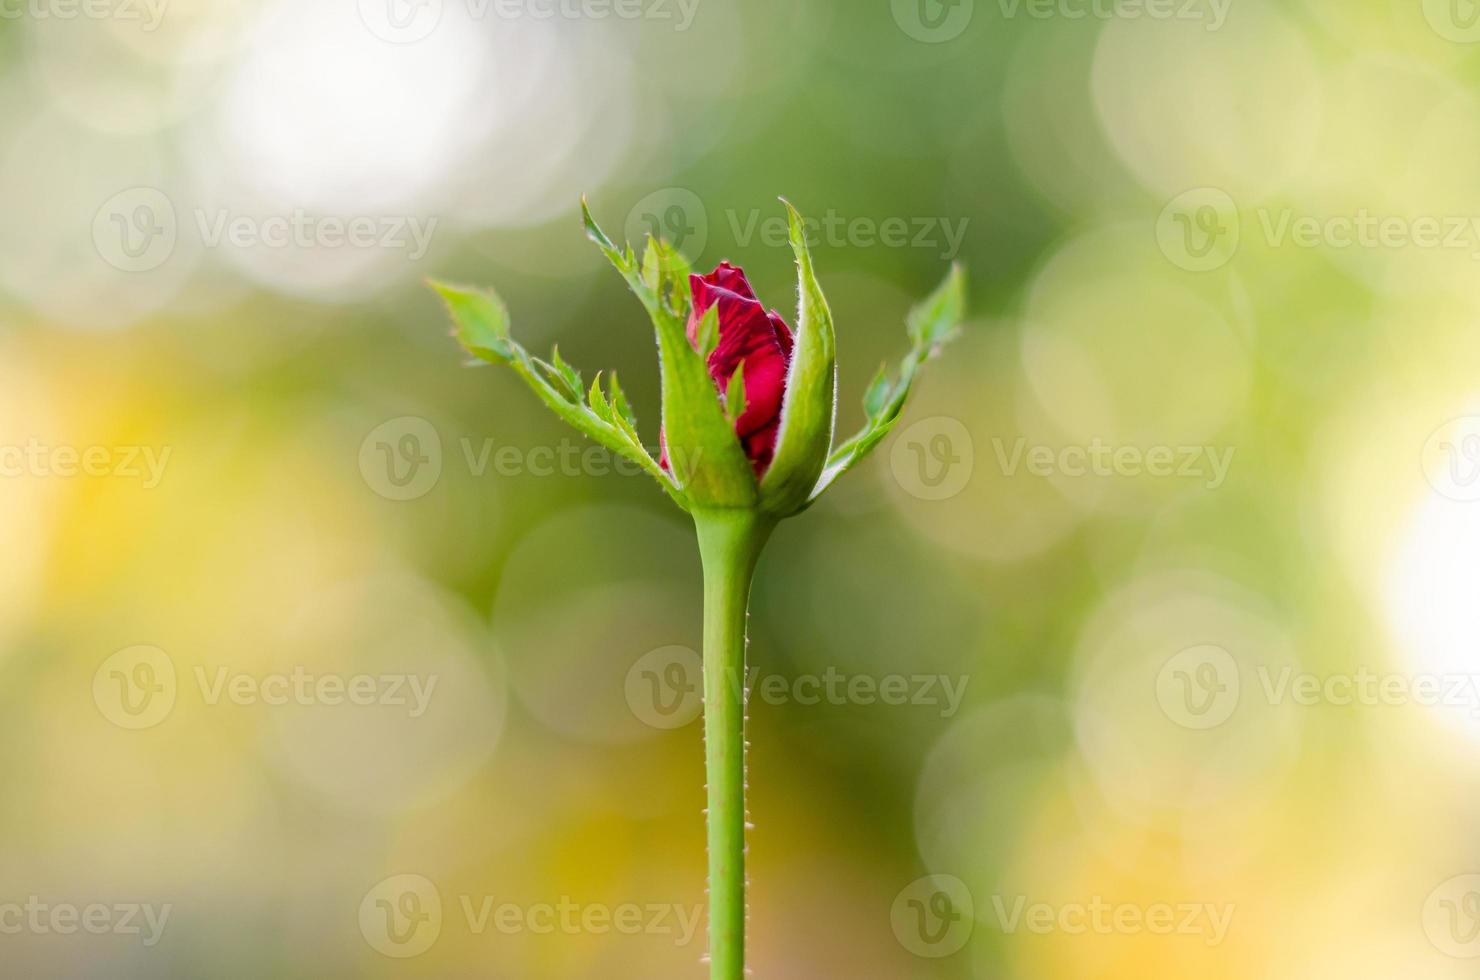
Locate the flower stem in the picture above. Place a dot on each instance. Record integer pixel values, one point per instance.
(730, 542)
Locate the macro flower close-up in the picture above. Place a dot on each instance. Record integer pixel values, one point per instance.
(707, 490)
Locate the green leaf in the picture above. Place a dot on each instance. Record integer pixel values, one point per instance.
(569, 377)
(735, 395)
(597, 400)
(938, 318)
(480, 321)
(930, 325)
(620, 405)
(622, 260)
(877, 393)
(809, 405)
(474, 312)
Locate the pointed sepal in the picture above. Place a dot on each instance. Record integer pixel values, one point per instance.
(809, 406)
(705, 456)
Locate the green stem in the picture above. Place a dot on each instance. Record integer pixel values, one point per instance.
(730, 542)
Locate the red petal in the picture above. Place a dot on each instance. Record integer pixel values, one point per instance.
(751, 336)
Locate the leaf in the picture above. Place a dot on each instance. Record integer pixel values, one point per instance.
(622, 260)
(620, 405)
(938, 318)
(877, 393)
(569, 377)
(474, 313)
(809, 405)
(598, 401)
(735, 395)
(930, 324)
(480, 319)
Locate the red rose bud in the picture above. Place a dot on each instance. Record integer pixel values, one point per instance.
(768, 454)
(751, 336)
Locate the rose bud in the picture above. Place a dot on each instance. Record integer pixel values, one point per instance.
(746, 432)
(753, 341)
(748, 405)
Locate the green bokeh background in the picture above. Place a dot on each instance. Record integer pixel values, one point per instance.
(1119, 636)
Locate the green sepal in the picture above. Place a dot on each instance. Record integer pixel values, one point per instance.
(930, 325)
(666, 272)
(704, 453)
(706, 337)
(735, 395)
(809, 406)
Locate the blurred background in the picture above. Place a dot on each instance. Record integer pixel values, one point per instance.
(1147, 646)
